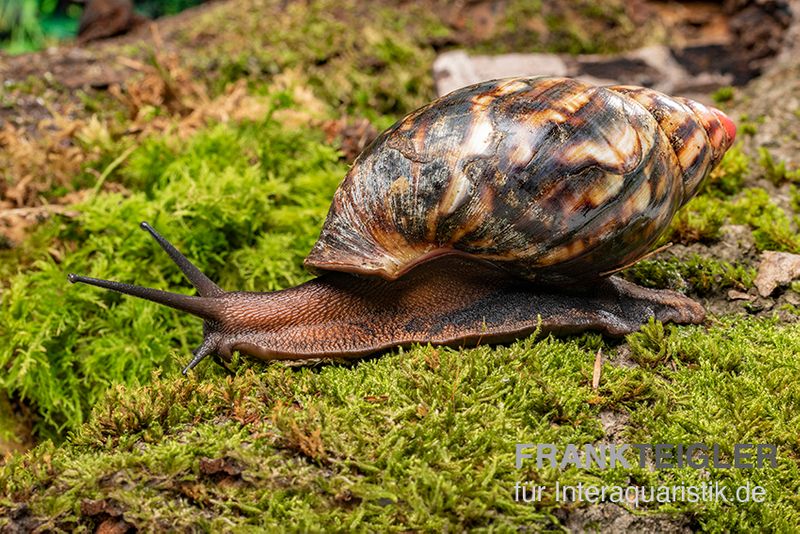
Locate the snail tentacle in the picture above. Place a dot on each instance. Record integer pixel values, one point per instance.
(207, 348)
(208, 305)
(204, 285)
(208, 308)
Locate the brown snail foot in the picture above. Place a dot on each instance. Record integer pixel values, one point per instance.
(496, 309)
(452, 301)
(615, 307)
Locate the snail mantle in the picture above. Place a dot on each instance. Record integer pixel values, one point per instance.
(499, 209)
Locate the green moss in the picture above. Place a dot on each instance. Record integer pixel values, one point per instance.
(727, 395)
(31, 85)
(776, 172)
(517, 11)
(700, 220)
(583, 34)
(745, 126)
(256, 193)
(772, 227)
(576, 27)
(794, 194)
(723, 94)
(422, 439)
(696, 274)
(728, 177)
(381, 68)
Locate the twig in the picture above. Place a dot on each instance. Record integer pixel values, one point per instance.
(598, 366)
(35, 210)
(133, 64)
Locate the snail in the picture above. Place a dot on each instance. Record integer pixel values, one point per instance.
(499, 209)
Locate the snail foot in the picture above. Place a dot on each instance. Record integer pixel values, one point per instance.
(482, 304)
(618, 307)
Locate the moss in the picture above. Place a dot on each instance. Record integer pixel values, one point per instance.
(256, 191)
(377, 69)
(727, 395)
(576, 27)
(723, 95)
(31, 85)
(697, 275)
(794, 198)
(421, 439)
(699, 221)
(702, 218)
(776, 172)
(728, 177)
(772, 227)
(746, 126)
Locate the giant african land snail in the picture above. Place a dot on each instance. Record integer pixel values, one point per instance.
(499, 208)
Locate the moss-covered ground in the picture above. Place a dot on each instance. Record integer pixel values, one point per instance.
(417, 439)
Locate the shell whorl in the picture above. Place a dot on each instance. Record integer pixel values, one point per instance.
(551, 178)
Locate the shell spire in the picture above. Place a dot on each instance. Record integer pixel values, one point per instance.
(699, 135)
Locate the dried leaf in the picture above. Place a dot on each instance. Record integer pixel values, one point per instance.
(775, 269)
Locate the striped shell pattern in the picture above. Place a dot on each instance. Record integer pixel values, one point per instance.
(553, 179)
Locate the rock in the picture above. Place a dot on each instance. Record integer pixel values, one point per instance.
(792, 298)
(791, 39)
(652, 66)
(611, 517)
(489, 67)
(452, 70)
(776, 268)
(614, 424)
(759, 29)
(736, 243)
(771, 103)
(456, 68)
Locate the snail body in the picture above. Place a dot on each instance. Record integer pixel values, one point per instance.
(497, 209)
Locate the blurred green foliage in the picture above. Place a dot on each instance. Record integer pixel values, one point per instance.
(29, 25)
(160, 8)
(20, 26)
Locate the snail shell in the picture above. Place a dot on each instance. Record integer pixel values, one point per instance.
(553, 179)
